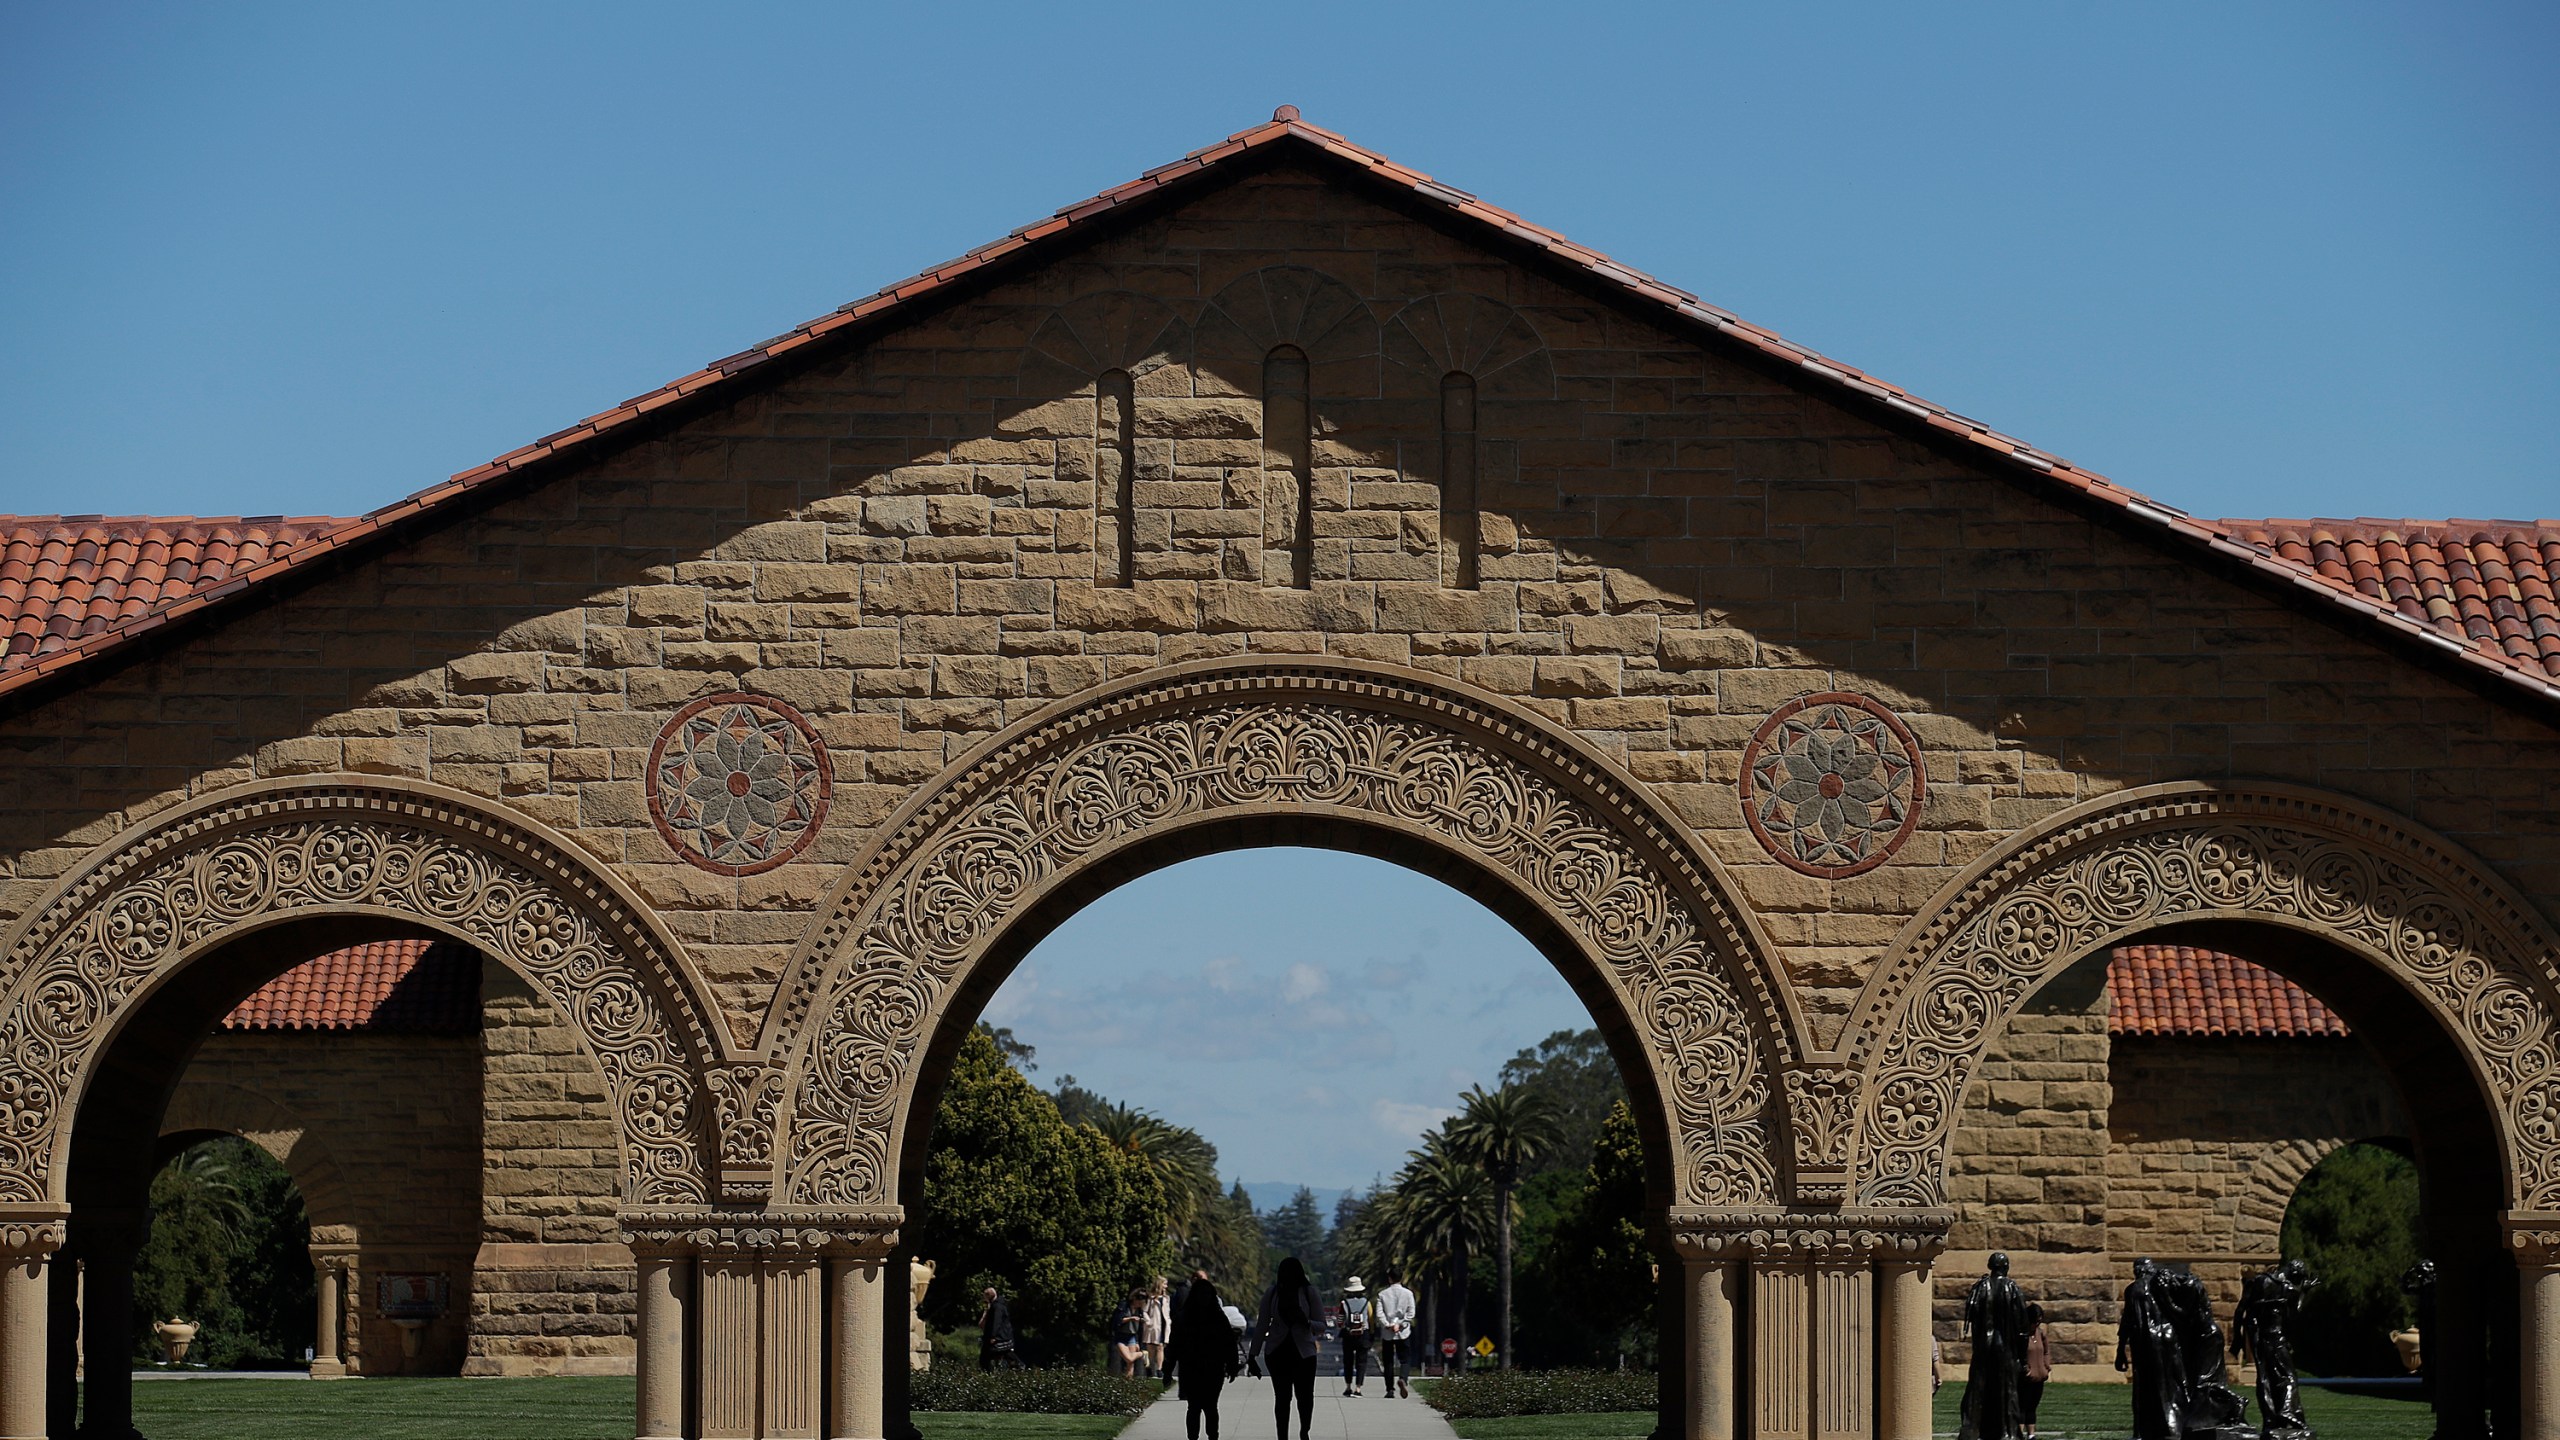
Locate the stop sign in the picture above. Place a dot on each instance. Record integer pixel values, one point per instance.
(1448, 1349)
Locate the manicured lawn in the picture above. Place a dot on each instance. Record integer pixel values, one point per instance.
(2069, 1412)
(1020, 1427)
(1631, 1426)
(2105, 1412)
(582, 1408)
(562, 1409)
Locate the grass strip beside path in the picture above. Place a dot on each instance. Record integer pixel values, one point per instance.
(2069, 1412)
(577, 1408)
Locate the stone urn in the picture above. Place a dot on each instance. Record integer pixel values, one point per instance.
(175, 1336)
(2406, 1342)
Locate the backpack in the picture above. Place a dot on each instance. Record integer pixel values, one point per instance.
(1355, 1316)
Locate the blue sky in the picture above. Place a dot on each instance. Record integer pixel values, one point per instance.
(2264, 259)
(1310, 1012)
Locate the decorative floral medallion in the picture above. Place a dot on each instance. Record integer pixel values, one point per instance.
(1832, 784)
(739, 783)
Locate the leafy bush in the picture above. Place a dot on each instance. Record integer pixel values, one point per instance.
(1029, 1392)
(1486, 1394)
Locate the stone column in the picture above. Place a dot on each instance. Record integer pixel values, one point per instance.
(2533, 1237)
(330, 1273)
(666, 1287)
(28, 1243)
(1904, 1324)
(859, 1341)
(1781, 1344)
(762, 1360)
(1714, 1285)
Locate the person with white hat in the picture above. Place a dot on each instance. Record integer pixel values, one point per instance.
(1359, 1328)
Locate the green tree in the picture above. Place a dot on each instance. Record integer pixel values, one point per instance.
(1297, 1228)
(1576, 1075)
(1446, 1205)
(229, 1249)
(1593, 1270)
(1050, 1213)
(2354, 1223)
(1504, 1131)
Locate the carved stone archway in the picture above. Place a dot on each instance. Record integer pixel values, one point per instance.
(2399, 917)
(1428, 764)
(207, 874)
(2411, 904)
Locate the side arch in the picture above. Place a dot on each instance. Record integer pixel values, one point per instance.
(2413, 905)
(1654, 937)
(328, 1191)
(216, 872)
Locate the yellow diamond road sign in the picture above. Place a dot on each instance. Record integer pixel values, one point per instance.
(1484, 1347)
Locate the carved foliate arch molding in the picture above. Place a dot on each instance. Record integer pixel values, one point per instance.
(2484, 965)
(1071, 788)
(188, 882)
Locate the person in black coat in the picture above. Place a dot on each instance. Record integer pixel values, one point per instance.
(995, 1333)
(1202, 1356)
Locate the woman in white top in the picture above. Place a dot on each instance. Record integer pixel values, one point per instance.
(1286, 1338)
(1155, 1325)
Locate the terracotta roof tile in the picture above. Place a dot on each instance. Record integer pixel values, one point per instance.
(389, 987)
(2489, 583)
(2181, 990)
(2487, 649)
(64, 579)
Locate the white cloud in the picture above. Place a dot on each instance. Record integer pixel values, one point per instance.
(1406, 1120)
(1303, 983)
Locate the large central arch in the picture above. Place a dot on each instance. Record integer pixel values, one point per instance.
(1211, 756)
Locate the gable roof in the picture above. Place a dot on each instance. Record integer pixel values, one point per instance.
(1288, 134)
(386, 987)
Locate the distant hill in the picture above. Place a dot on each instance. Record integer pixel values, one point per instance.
(1270, 1195)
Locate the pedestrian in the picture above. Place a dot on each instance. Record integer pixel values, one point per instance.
(1202, 1353)
(1395, 1338)
(1286, 1338)
(1359, 1328)
(1156, 1325)
(1128, 1331)
(995, 1332)
(2039, 1369)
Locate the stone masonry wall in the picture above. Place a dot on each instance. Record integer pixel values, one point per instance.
(382, 1136)
(2028, 1172)
(554, 1288)
(901, 541)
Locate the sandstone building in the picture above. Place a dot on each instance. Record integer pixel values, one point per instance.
(1822, 737)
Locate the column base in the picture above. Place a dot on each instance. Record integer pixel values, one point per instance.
(328, 1370)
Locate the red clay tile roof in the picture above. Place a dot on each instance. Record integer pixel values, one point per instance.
(388, 987)
(64, 578)
(2490, 582)
(1498, 228)
(2180, 990)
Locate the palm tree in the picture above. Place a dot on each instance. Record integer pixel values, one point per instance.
(1448, 1211)
(1504, 1131)
(1179, 1158)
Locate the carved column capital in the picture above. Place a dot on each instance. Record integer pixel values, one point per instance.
(336, 1259)
(1822, 1114)
(32, 1232)
(1830, 1236)
(794, 1233)
(2533, 1237)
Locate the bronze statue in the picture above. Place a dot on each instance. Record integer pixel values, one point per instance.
(2167, 1337)
(2147, 1347)
(1995, 1314)
(2262, 1328)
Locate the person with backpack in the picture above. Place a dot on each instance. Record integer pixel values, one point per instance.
(1359, 1328)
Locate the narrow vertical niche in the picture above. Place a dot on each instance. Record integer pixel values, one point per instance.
(1115, 493)
(1461, 532)
(1288, 461)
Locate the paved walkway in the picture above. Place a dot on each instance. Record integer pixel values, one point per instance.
(1244, 1413)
